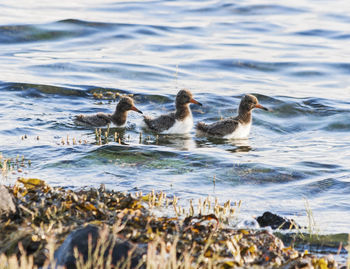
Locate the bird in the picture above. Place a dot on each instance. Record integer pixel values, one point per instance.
(118, 117)
(234, 127)
(178, 122)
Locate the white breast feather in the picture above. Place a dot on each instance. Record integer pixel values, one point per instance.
(241, 132)
(180, 126)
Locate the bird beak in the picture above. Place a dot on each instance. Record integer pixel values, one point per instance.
(195, 102)
(261, 107)
(135, 109)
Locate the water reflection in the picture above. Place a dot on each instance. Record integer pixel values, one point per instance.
(52, 65)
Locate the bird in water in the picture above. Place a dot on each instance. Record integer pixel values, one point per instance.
(118, 117)
(178, 122)
(234, 127)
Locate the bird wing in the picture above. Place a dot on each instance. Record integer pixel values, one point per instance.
(161, 123)
(97, 120)
(103, 119)
(222, 128)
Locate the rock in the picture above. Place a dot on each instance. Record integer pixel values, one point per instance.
(304, 263)
(309, 262)
(7, 205)
(79, 239)
(276, 222)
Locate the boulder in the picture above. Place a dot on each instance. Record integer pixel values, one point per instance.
(7, 205)
(276, 222)
(80, 238)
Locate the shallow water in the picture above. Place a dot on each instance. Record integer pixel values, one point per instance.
(294, 57)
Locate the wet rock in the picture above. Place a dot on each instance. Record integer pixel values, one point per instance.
(90, 235)
(276, 222)
(309, 262)
(7, 205)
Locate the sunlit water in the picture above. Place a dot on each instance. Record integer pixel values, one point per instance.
(293, 56)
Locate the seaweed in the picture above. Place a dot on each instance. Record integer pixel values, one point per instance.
(47, 215)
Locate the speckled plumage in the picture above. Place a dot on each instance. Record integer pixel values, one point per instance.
(179, 121)
(233, 127)
(118, 118)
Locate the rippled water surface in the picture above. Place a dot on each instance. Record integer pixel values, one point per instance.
(294, 56)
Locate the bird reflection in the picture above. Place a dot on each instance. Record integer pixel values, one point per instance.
(239, 145)
(231, 145)
(179, 142)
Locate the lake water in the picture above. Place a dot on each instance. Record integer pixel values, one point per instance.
(294, 56)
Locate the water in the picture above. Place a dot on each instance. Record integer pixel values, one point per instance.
(293, 56)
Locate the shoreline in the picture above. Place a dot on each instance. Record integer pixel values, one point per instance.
(43, 219)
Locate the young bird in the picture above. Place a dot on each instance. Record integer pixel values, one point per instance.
(178, 122)
(233, 127)
(118, 117)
